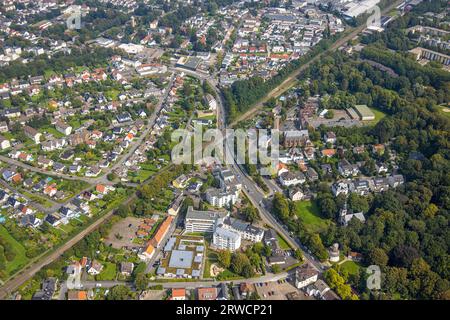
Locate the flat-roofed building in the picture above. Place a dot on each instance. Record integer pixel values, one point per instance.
(226, 239)
(364, 113)
(202, 221)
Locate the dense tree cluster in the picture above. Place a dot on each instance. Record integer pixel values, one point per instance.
(242, 94)
(60, 63)
(406, 232)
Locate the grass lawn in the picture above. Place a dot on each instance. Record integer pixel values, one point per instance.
(228, 275)
(75, 123)
(52, 131)
(142, 175)
(108, 273)
(20, 259)
(444, 111)
(283, 244)
(41, 200)
(308, 213)
(378, 116)
(350, 266)
(112, 94)
(211, 257)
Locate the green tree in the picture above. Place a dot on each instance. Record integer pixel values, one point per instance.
(280, 206)
(358, 203)
(224, 258)
(121, 292)
(238, 261)
(141, 281)
(378, 257)
(123, 210)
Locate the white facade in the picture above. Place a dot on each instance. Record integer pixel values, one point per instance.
(289, 179)
(222, 199)
(305, 282)
(4, 143)
(226, 239)
(201, 221)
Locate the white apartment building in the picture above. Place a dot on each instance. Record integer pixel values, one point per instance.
(226, 239)
(202, 221)
(246, 230)
(221, 198)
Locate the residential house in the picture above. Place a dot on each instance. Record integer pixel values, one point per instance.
(4, 143)
(340, 187)
(330, 137)
(380, 184)
(123, 117)
(95, 268)
(103, 189)
(93, 171)
(148, 253)
(178, 294)
(77, 295)
(126, 268)
(292, 178)
(381, 168)
(312, 174)
(346, 169)
(67, 155)
(50, 190)
(396, 180)
(318, 289)
(8, 174)
(30, 220)
(328, 153)
(53, 220)
(64, 128)
(3, 127)
(305, 275)
(81, 205)
(32, 133)
(360, 186)
(207, 294)
(58, 167)
(296, 194)
(47, 291)
(44, 162)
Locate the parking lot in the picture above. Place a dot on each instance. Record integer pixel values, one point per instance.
(123, 232)
(276, 290)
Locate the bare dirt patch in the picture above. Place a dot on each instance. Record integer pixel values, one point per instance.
(123, 233)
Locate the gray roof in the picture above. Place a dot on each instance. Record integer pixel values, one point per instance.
(242, 226)
(204, 215)
(170, 244)
(180, 272)
(227, 234)
(305, 271)
(181, 259)
(161, 270)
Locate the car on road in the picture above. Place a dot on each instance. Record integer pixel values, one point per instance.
(98, 285)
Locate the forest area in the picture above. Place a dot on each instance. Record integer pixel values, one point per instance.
(406, 232)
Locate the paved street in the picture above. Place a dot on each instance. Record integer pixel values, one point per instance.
(86, 285)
